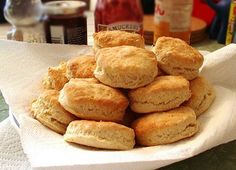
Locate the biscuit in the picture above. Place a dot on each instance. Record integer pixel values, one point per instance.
(164, 93)
(176, 57)
(89, 99)
(203, 95)
(55, 77)
(165, 127)
(47, 110)
(106, 135)
(125, 67)
(105, 39)
(81, 67)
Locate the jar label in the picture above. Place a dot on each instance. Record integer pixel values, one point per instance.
(181, 16)
(177, 14)
(76, 35)
(57, 34)
(68, 35)
(162, 11)
(125, 26)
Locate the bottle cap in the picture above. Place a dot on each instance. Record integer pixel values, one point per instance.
(64, 7)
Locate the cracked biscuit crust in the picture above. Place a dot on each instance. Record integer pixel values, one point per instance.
(47, 110)
(164, 93)
(125, 67)
(89, 99)
(81, 67)
(203, 95)
(176, 57)
(55, 77)
(105, 39)
(165, 127)
(107, 135)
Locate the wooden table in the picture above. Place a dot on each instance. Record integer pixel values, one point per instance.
(219, 158)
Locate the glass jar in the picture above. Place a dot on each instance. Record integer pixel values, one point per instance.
(24, 15)
(173, 18)
(23, 12)
(65, 22)
(119, 15)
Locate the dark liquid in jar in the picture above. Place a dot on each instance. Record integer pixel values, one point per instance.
(66, 29)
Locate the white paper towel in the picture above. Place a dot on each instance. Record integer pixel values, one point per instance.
(21, 68)
(11, 153)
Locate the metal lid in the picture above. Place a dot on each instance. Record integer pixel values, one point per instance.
(64, 7)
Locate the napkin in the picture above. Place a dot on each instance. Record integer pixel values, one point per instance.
(11, 152)
(21, 68)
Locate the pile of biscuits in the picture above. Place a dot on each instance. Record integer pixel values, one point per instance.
(125, 94)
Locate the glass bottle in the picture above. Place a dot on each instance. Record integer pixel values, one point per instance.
(119, 15)
(24, 15)
(173, 18)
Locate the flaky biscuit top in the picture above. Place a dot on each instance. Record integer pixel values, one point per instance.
(126, 58)
(104, 39)
(177, 52)
(81, 67)
(162, 83)
(90, 90)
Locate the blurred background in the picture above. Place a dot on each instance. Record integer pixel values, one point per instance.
(214, 19)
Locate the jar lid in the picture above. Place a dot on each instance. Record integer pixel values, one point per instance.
(64, 7)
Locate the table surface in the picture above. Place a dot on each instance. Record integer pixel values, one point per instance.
(218, 158)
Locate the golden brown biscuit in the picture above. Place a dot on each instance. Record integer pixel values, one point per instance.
(165, 127)
(47, 110)
(164, 93)
(105, 39)
(56, 77)
(125, 67)
(106, 135)
(81, 67)
(203, 95)
(89, 99)
(176, 57)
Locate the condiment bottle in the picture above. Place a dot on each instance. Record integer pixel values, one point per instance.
(173, 18)
(119, 15)
(65, 22)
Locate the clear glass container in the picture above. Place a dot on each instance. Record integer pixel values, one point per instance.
(173, 18)
(24, 15)
(23, 12)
